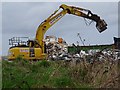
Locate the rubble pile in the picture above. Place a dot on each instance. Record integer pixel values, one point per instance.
(57, 49)
(91, 56)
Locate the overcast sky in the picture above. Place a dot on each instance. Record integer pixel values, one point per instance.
(22, 19)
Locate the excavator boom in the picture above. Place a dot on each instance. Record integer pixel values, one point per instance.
(53, 18)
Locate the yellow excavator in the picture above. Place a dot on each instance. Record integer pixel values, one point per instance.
(36, 49)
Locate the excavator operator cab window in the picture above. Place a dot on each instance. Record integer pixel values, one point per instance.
(18, 41)
(30, 43)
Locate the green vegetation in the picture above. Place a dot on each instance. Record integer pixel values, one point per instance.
(72, 49)
(54, 74)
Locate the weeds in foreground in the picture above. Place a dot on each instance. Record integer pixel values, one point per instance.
(56, 74)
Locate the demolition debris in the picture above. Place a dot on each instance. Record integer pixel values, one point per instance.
(57, 49)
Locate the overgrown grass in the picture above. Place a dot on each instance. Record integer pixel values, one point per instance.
(51, 74)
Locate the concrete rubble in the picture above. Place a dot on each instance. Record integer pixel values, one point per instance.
(57, 49)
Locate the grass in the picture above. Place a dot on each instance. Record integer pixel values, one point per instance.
(51, 74)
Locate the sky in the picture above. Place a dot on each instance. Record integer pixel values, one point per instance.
(0, 29)
(20, 19)
(119, 19)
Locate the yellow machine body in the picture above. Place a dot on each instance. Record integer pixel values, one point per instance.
(26, 53)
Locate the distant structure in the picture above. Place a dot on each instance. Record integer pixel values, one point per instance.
(117, 43)
(78, 34)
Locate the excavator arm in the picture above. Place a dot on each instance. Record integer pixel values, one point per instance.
(52, 19)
